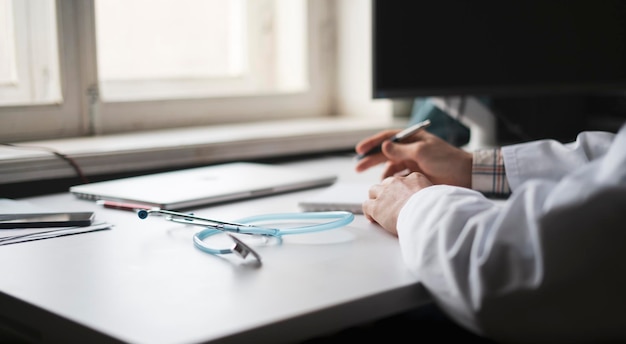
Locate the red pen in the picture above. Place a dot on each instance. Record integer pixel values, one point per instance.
(122, 205)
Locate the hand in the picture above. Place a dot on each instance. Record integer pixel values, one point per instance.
(387, 199)
(439, 161)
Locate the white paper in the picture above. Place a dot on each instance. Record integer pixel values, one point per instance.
(16, 235)
(344, 196)
(13, 236)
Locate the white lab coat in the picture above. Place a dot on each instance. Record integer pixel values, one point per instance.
(546, 265)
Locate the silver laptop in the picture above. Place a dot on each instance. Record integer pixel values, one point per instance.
(203, 185)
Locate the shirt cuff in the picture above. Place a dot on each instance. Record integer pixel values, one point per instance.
(489, 174)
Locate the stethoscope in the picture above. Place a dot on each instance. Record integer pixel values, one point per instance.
(249, 225)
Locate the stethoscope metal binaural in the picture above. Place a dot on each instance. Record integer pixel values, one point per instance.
(331, 220)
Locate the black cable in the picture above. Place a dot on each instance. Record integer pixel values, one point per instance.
(62, 156)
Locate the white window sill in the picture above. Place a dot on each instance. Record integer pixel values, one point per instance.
(178, 148)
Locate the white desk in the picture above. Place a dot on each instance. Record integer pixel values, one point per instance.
(143, 281)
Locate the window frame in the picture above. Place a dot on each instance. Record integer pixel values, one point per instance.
(83, 113)
(30, 167)
(55, 120)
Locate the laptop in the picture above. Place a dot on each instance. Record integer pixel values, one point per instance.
(203, 185)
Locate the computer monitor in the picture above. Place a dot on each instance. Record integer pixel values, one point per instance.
(499, 49)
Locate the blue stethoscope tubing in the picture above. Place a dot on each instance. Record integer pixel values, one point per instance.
(339, 219)
(247, 225)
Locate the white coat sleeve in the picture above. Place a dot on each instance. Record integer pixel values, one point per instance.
(550, 159)
(546, 265)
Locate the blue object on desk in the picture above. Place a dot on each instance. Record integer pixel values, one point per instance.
(443, 125)
(247, 225)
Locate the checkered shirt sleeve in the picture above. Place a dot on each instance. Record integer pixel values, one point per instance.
(488, 173)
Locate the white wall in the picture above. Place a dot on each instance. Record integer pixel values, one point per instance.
(354, 76)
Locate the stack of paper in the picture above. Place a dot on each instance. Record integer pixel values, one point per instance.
(13, 236)
(344, 196)
(21, 232)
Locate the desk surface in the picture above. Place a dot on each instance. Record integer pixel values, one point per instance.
(144, 282)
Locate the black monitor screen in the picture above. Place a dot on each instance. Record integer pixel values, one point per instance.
(445, 47)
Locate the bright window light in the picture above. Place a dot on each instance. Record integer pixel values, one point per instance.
(29, 62)
(165, 49)
(8, 67)
(169, 39)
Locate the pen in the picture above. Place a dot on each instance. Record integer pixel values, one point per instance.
(122, 205)
(397, 137)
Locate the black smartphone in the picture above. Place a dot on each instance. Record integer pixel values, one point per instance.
(41, 220)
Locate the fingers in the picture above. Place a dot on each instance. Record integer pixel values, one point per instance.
(369, 143)
(369, 204)
(374, 140)
(386, 199)
(400, 151)
(399, 169)
(376, 189)
(370, 161)
(399, 156)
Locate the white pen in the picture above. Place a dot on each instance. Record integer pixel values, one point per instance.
(397, 137)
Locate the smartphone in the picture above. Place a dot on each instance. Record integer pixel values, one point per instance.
(40, 220)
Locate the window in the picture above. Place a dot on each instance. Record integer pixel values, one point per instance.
(133, 65)
(29, 67)
(199, 48)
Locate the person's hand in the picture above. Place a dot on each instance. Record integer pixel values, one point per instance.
(387, 199)
(439, 161)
